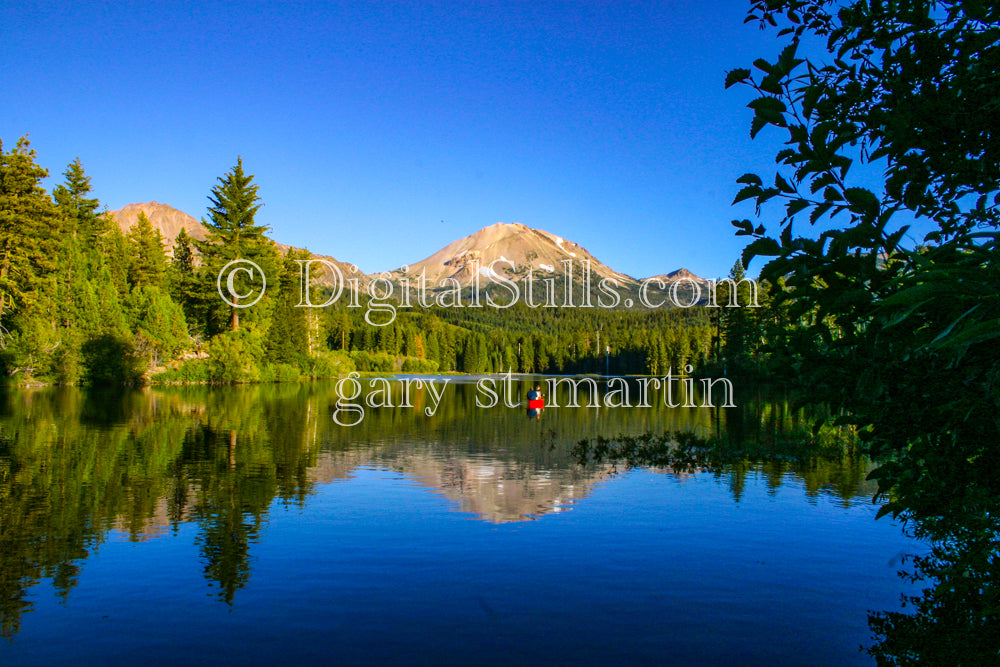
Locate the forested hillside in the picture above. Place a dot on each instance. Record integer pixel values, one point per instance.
(83, 302)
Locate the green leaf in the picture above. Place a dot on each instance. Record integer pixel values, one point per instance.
(944, 334)
(795, 205)
(736, 76)
(748, 192)
(893, 239)
(787, 60)
(786, 156)
(862, 201)
(899, 318)
(766, 247)
(786, 237)
(818, 212)
(768, 103)
(771, 83)
(783, 185)
(918, 293)
(980, 333)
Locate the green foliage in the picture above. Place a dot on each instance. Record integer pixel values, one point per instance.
(114, 251)
(231, 216)
(414, 365)
(901, 339)
(67, 364)
(157, 322)
(29, 224)
(288, 336)
(953, 622)
(235, 357)
(111, 360)
(233, 234)
(279, 373)
(191, 371)
(148, 262)
(330, 364)
(78, 211)
(374, 362)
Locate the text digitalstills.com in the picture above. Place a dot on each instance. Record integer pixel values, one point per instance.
(385, 296)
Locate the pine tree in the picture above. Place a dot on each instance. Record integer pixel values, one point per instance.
(288, 335)
(339, 330)
(115, 258)
(29, 223)
(72, 297)
(183, 261)
(157, 323)
(29, 253)
(79, 212)
(233, 233)
(182, 280)
(148, 261)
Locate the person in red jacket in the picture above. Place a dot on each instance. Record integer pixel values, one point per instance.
(535, 402)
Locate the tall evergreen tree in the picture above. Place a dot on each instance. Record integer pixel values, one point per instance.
(288, 335)
(29, 230)
(79, 212)
(734, 320)
(183, 261)
(183, 281)
(233, 232)
(28, 226)
(148, 261)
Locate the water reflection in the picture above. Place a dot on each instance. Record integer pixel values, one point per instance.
(76, 465)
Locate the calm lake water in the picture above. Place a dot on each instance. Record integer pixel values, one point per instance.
(244, 525)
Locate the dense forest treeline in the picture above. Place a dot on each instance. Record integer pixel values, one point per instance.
(81, 301)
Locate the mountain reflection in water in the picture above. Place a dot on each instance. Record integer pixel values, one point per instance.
(78, 465)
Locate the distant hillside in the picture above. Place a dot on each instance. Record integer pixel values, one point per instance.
(169, 221)
(165, 218)
(679, 274)
(514, 247)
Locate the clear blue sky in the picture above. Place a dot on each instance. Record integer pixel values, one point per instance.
(379, 132)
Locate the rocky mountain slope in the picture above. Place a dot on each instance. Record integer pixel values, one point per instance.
(169, 221)
(512, 249)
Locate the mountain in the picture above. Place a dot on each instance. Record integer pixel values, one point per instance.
(679, 274)
(169, 221)
(515, 248)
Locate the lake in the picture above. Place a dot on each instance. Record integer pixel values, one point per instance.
(244, 525)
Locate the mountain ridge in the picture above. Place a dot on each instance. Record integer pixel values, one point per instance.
(512, 249)
(169, 221)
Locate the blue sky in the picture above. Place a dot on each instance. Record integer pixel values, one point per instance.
(379, 132)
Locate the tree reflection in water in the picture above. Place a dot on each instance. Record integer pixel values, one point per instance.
(77, 465)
